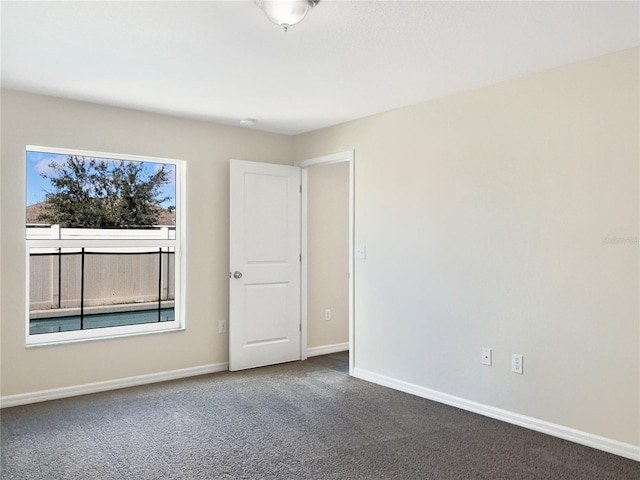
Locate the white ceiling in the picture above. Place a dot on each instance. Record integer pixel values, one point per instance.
(223, 60)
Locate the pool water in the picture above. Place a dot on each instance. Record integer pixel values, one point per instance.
(99, 320)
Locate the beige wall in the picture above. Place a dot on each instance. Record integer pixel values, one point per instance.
(487, 218)
(206, 148)
(328, 254)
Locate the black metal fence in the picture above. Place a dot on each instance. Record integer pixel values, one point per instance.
(71, 278)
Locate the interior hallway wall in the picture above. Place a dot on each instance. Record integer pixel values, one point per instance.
(505, 217)
(328, 254)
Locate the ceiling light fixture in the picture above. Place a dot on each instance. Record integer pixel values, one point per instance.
(286, 12)
(248, 122)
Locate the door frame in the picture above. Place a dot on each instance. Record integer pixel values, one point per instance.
(346, 156)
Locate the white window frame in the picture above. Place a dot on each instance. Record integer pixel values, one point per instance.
(126, 330)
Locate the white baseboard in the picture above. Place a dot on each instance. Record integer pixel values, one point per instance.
(327, 349)
(55, 393)
(595, 441)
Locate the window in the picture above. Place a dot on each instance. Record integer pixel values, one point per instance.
(103, 245)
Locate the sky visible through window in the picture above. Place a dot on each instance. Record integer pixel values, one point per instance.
(39, 163)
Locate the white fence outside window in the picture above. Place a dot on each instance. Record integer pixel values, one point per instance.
(65, 277)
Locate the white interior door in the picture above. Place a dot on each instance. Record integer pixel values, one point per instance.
(264, 283)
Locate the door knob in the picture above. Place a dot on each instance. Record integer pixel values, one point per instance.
(237, 274)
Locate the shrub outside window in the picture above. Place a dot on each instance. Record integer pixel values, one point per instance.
(103, 245)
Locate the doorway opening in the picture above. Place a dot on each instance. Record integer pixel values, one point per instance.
(327, 306)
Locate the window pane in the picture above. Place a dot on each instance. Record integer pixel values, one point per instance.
(78, 191)
(86, 288)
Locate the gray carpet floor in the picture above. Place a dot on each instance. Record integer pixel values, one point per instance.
(301, 420)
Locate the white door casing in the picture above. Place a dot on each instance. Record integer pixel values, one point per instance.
(264, 283)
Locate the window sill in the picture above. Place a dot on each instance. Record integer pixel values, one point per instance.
(85, 336)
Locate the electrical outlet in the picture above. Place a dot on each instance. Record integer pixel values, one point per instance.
(486, 356)
(516, 363)
(327, 314)
(361, 252)
(222, 326)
